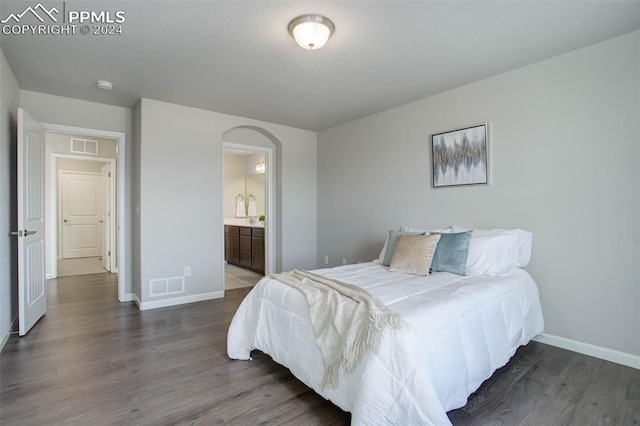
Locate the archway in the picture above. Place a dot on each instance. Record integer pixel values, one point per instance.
(254, 137)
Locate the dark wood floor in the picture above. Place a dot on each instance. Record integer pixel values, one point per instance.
(94, 361)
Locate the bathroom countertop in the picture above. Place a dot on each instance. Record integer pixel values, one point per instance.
(241, 221)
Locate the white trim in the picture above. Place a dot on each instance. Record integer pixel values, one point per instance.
(179, 300)
(121, 253)
(137, 300)
(607, 354)
(270, 211)
(5, 339)
(129, 297)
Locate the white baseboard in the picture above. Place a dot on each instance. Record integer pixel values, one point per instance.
(618, 357)
(138, 302)
(129, 297)
(5, 339)
(179, 300)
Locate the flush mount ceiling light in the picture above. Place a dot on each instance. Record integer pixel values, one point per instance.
(311, 32)
(104, 84)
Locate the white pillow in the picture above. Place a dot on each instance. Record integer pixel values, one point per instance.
(523, 246)
(407, 228)
(384, 249)
(493, 255)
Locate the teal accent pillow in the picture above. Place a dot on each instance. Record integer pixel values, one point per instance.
(451, 253)
(391, 245)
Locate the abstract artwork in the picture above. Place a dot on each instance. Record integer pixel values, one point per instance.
(460, 157)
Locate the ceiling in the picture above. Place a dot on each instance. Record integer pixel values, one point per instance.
(237, 57)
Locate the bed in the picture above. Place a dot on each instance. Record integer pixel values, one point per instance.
(464, 327)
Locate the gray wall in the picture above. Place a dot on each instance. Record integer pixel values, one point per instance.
(564, 160)
(234, 181)
(240, 177)
(9, 101)
(181, 193)
(73, 112)
(61, 144)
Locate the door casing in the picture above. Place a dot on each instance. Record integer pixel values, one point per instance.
(119, 195)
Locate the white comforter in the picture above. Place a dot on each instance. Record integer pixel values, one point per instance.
(465, 328)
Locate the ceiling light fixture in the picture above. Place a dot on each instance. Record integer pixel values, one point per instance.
(311, 32)
(104, 84)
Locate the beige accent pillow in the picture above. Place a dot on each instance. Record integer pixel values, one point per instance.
(414, 253)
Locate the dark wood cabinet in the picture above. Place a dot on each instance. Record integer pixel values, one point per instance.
(244, 247)
(257, 252)
(232, 244)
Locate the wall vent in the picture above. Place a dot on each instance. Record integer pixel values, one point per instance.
(84, 146)
(166, 286)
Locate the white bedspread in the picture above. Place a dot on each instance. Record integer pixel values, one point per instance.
(465, 328)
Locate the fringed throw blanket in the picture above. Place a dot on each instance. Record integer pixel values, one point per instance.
(347, 320)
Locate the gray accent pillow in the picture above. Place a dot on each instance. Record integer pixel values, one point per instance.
(391, 245)
(451, 253)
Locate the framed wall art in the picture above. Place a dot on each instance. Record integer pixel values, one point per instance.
(460, 157)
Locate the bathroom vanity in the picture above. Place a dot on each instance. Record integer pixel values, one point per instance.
(244, 244)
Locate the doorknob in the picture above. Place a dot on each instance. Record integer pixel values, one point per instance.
(29, 232)
(65, 221)
(17, 233)
(101, 221)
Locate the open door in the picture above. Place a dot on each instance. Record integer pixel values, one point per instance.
(32, 298)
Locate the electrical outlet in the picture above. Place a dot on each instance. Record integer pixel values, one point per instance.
(326, 260)
(344, 261)
(187, 271)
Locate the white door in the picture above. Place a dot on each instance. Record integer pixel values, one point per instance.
(105, 220)
(81, 215)
(32, 297)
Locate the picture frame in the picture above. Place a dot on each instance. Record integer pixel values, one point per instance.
(460, 157)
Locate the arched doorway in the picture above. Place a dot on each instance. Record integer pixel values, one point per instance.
(254, 139)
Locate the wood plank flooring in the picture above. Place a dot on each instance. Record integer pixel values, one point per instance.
(94, 361)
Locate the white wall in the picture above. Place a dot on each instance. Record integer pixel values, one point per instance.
(240, 177)
(564, 160)
(73, 112)
(181, 190)
(256, 181)
(79, 166)
(9, 102)
(234, 181)
(61, 144)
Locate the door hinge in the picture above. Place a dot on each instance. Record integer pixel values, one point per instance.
(109, 253)
(109, 174)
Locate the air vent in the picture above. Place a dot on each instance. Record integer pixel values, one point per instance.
(84, 146)
(166, 286)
